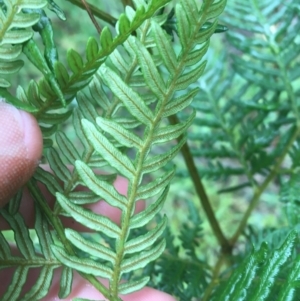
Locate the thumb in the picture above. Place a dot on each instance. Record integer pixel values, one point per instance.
(20, 149)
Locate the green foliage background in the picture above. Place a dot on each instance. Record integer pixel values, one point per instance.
(234, 200)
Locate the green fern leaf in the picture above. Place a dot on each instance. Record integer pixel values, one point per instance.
(41, 286)
(87, 109)
(196, 55)
(240, 286)
(123, 25)
(75, 61)
(132, 286)
(124, 136)
(109, 152)
(14, 204)
(65, 285)
(142, 259)
(28, 258)
(83, 197)
(88, 219)
(145, 216)
(92, 47)
(106, 38)
(61, 74)
(178, 104)
(289, 192)
(70, 152)
(172, 132)
(150, 72)
(89, 247)
(158, 161)
(48, 179)
(15, 29)
(151, 189)
(62, 171)
(184, 80)
(16, 284)
(54, 118)
(145, 241)
(83, 265)
(101, 188)
(77, 116)
(166, 51)
(31, 50)
(288, 290)
(274, 264)
(133, 102)
(240, 283)
(215, 9)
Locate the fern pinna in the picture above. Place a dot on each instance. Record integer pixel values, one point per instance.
(120, 124)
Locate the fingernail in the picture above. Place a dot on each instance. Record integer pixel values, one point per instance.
(20, 148)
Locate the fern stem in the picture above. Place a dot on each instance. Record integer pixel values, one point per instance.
(57, 225)
(258, 192)
(199, 187)
(96, 12)
(127, 3)
(214, 279)
(91, 15)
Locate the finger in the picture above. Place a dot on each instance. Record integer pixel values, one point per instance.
(20, 149)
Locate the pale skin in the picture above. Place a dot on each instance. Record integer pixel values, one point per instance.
(20, 151)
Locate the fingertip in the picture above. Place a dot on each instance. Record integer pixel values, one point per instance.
(33, 138)
(20, 149)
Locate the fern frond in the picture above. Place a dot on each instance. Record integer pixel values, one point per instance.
(82, 72)
(29, 258)
(15, 29)
(255, 277)
(99, 136)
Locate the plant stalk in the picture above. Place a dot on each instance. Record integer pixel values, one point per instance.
(215, 277)
(127, 3)
(96, 12)
(190, 163)
(91, 15)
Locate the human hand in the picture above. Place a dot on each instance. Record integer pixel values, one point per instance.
(20, 151)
